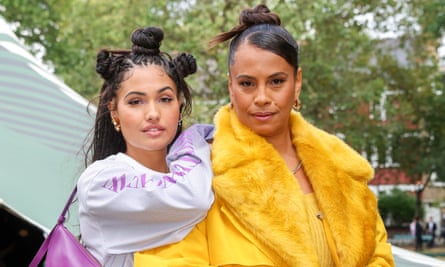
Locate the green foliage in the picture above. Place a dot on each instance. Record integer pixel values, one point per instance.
(353, 85)
(433, 17)
(398, 205)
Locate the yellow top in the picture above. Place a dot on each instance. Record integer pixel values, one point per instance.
(259, 215)
(257, 195)
(315, 224)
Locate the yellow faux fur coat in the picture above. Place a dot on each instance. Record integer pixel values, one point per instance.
(259, 199)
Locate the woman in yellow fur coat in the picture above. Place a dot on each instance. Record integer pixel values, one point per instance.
(286, 193)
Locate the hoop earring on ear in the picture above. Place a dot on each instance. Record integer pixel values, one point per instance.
(297, 105)
(117, 127)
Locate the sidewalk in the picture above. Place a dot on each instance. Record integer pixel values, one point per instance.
(407, 258)
(437, 252)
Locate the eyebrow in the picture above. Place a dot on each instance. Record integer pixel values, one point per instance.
(252, 77)
(163, 89)
(243, 76)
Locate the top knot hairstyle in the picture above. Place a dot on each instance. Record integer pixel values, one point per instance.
(114, 65)
(262, 28)
(147, 41)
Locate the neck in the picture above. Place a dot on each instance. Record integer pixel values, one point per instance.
(283, 144)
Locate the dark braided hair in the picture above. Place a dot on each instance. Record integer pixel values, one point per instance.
(262, 28)
(113, 67)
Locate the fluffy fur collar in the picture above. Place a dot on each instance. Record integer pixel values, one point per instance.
(255, 184)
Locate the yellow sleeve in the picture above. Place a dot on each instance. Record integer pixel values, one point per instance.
(383, 254)
(190, 252)
(230, 244)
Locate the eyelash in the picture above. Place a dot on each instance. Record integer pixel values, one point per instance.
(278, 81)
(164, 99)
(134, 102)
(273, 82)
(245, 83)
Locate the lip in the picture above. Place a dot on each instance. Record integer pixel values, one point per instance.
(153, 130)
(263, 115)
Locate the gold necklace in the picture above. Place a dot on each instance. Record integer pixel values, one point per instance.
(298, 167)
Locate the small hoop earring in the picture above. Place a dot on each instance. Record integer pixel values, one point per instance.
(297, 105)
(117, 127)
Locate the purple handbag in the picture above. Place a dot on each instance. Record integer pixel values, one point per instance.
(62, 248)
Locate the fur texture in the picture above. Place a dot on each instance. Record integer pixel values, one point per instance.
(256, 185)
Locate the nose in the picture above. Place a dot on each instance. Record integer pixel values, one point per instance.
(152, 112)
(262, 96)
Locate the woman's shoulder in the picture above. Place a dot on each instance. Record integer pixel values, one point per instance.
(191, 140)
(112, 161)
(203, 130)
(330, 148)
(113, 164)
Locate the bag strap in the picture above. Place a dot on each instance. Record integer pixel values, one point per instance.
(44, 247)
(61, 218)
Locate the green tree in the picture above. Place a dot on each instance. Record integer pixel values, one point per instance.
(414, 133)
(397, 205)
(432, 17)
(346, 73)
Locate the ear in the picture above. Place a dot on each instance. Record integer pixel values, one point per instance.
(298, 83)
(112, 108)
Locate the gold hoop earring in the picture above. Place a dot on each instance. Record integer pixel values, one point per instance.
(117, 127)
(297, 105)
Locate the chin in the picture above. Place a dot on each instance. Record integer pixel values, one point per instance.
(261, 131)
(268, 130)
